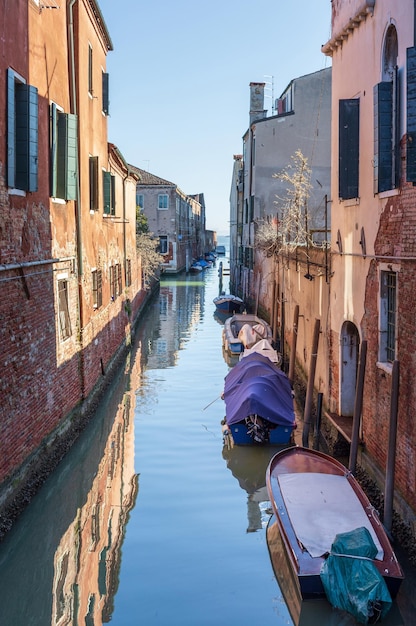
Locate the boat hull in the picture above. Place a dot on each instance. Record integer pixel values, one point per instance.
(280, 435)
(229, 305)
(299, 466)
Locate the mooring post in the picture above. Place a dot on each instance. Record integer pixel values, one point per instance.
(292, 360)
(391, 453)
(307, 416)
(358, 407)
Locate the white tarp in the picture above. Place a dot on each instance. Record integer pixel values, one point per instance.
(320, 506)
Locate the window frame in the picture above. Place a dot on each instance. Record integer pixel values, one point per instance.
(388, 307)
(64, 318)
(90, 70)
(97, 288)
(163, 198)
(165, 248)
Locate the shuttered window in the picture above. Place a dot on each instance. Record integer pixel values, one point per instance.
(22, 134)
(64, 154)
(97, 289)
(349, 116)
(386, 135)
(93, 183)
(63, 310)
(411, 115)
(106, 96)
(109, 184)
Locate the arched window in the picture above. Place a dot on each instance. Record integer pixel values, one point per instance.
(386, 118)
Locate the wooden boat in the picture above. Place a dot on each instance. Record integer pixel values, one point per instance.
(228, 303)
(243, 330)
(258, 402)
(314, 498)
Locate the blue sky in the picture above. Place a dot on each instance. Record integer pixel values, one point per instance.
(179, 81)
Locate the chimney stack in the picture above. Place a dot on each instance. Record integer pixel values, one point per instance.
(257, 111)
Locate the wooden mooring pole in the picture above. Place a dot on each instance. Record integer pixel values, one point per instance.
(292, 360)
(307, 416)
(358, 407)
(391, 454)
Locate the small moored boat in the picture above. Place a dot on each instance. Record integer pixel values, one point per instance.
(228, 303)
(244, 330)
(258, 402)
(314, 499)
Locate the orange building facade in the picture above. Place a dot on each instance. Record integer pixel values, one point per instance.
(70, 278)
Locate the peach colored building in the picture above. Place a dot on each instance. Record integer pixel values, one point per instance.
(373, 221)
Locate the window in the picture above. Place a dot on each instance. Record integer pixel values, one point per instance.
(63, 310)
(411, 115)
(128, 272)
(106, 93)
(163, 201)
(115, 281)
(109, 193)
(387, 119)
(22, 133)
(349, 115)
(90, 83)
(163, 244)
(140, 200)
(64, 155)
(93, 183)
(388, 316)
(119, 280)
(97, 289)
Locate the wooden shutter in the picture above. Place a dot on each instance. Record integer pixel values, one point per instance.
(411, 115)
(11, 131)
(107, 192)
(106, 101)
(383, 137)
(349, 115)
(67, 156)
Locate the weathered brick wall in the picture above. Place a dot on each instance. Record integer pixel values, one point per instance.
(396, 237)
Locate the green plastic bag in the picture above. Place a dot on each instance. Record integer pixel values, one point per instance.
(353, 583)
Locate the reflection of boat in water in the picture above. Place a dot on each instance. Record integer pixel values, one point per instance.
(248, 465)
(314, 498)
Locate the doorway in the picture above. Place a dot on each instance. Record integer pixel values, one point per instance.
(350, 344)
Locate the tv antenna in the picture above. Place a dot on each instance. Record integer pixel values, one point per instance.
(270, 82)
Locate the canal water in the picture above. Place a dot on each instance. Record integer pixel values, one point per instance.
(150, 519)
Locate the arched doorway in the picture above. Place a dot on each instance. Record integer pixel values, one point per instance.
(350, 344)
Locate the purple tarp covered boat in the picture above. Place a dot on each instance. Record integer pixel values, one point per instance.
(259, 402)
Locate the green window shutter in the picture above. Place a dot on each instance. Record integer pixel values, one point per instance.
(106, 94)
(348, 129)
(54, 148)
(383, 139)
(113, 195)
(107, 192)
(411, 115)
(26, 102)
(11, 129)
(33, 138)
(67, 156)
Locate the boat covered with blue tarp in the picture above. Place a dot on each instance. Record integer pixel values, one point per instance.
(259, 402)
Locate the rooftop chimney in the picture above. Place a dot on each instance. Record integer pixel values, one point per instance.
(257, 111)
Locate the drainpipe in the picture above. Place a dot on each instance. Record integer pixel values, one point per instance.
(77, 210)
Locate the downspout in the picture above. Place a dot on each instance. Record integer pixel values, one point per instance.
(78, 242)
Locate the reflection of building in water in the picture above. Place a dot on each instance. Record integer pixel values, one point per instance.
(181, 305)
(87, 560)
